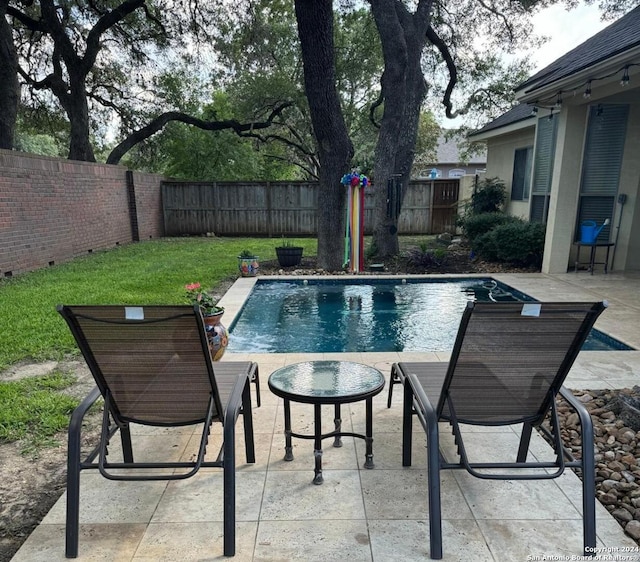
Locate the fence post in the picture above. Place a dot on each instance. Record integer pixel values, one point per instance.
(269, 211)
(133, 209)
(432, 189)
(216, 208)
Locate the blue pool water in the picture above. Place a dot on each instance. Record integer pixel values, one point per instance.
(317, 316)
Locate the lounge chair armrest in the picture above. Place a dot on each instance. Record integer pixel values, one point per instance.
(586, 422)
(232, 409)
(421, 398)
(81, 410)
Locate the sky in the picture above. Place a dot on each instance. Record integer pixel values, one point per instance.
(567, 30)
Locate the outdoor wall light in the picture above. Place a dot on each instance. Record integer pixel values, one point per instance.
(625, 77)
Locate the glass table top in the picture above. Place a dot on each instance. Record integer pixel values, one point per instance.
(326, 380)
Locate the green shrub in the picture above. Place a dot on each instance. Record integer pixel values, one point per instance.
(489, 196)
(474, 226)
(519, 242)
(485, 246)
(516, 241)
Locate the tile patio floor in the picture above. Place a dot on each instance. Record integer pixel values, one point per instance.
(357, 514)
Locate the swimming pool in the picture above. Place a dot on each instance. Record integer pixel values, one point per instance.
(320, 316)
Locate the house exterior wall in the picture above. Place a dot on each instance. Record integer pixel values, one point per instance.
(500, 159)
(565, 187)
(627, 252)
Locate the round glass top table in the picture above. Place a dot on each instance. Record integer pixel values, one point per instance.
(327, 382)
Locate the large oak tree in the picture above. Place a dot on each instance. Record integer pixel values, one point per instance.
(315, 30)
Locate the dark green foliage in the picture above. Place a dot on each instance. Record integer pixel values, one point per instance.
(520, 242)
(485, 246)
(496, 236)
(517, 241)
(489, 197)
(475, 225)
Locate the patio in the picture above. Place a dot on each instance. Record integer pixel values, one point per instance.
(357, 514)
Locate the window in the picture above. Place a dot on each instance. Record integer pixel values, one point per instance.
(521, 180)
(546, 131)
(603, 152)
(457, 173)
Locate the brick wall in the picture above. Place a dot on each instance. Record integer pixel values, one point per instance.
(53, 210)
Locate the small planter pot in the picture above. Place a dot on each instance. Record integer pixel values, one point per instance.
(288, 256)
(248, 266)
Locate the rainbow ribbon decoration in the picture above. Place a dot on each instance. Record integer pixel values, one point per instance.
(354, 229)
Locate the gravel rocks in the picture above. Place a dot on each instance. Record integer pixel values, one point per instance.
(616, 423)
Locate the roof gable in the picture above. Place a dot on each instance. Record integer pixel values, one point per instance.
(520, 112)
(620, 36)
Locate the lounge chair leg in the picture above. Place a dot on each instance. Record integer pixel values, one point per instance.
(73, 492)
(525, 439)
(125, 437)
(229, 477)
(435, 507)
(74, 451)
(407, 425)
(588, 483)
(588, 473)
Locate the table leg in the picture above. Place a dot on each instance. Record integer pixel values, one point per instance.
(317, 448)
(368, 463)
(288, 447)
(337, 441)
(592, 259)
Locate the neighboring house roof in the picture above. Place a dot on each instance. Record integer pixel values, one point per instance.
(617, 38)
(448, 152)
(520, 112)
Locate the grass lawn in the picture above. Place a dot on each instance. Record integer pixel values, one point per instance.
(150, 272)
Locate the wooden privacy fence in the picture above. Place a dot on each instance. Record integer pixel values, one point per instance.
(289, 208)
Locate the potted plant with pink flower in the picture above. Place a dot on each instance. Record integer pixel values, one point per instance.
(208, 305)
(217, 334)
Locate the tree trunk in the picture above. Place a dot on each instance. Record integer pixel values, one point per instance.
(9, 85)
(403, 37)
(77, 109)
(315, 30)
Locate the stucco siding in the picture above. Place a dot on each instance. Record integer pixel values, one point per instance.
(500, 157)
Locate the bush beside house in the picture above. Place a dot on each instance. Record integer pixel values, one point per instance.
(496, 236)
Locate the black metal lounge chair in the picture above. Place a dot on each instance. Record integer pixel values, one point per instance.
(152, 366)
(508, 365)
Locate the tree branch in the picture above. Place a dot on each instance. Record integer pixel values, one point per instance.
(108, 20)
(453, 72)
(372, 110)
(159, 122)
